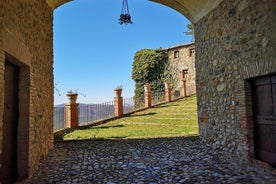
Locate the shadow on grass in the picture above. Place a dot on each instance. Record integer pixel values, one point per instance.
(154, 139)
(106, 127)
(117, 137)
(165, 106)
(157, 140)
(146, 114)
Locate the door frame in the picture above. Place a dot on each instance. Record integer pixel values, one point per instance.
(250, 115)
(23, 117)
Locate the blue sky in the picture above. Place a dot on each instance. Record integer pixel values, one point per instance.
(93, 53)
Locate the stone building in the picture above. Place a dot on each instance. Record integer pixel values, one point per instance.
(235, 78)
(26, 87)
(182, 60)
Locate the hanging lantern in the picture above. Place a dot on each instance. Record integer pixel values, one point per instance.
(125, 17)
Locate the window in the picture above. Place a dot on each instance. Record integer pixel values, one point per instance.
(176, 54)
(184, 73)
(191, 52)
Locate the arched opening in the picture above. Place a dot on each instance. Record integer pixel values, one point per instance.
(95, 55)
(212, 34)
(105, 48)
(235, 43)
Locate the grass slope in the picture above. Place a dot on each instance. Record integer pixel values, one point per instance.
(178, 118)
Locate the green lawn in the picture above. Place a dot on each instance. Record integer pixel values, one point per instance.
(178, 118)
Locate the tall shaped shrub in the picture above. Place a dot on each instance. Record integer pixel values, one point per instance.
(150, 67)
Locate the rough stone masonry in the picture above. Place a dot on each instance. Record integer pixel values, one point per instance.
(235, 42)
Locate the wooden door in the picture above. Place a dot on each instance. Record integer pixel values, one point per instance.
(10, 125)
(264, 100)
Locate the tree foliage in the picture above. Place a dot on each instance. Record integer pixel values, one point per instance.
(150, 67)
(191, 30)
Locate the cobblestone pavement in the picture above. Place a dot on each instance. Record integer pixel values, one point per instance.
(172, 160)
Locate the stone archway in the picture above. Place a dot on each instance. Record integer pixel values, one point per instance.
(193, 10)
(235, 42)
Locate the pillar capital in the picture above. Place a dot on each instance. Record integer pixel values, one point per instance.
(72, 97)
(72, 111)
(147, 87)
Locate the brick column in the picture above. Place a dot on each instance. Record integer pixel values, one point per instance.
(168, 91)
(147, 95)
(71, 111)
(184, 90)
(118, 103)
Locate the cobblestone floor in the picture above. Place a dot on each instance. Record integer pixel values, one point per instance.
(172, 160)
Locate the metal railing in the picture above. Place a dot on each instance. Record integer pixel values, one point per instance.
(59, 118)
(128, 105)
(158, 97)
(89, 113)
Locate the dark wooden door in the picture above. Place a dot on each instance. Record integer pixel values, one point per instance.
(264, 100)
(10, 125)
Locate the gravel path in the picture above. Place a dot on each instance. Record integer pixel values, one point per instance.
(172, 160)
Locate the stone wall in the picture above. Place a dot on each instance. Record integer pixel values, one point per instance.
(184, 61)
(235, 42)
(26, 41)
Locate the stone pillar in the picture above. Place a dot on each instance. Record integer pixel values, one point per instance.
(184, 89)
(147, 95)
(71, 111)
(118, 103)
(168, 91)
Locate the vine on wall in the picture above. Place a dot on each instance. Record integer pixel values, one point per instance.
(151, 66)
